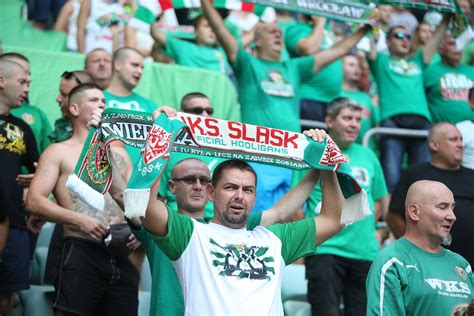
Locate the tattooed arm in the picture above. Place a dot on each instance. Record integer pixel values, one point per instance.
(45, 180)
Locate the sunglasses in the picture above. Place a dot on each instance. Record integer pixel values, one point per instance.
(401, 35)
(190, 180)
(68, 75)
(199, 110)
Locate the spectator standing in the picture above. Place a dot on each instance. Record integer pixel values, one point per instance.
(91, 280)
(205, 53)
(350, 89)
(341, 264)
(307, 38)
(447, 85)
(403, 104)
(17, 149)
(269, 89)
(98, 65)
(127, 69)
(63, 126)
(34, 116)
(445, 166)
(214, 278)
(415, 275)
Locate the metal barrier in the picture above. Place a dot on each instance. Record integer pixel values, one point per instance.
(413, 133)
(403, 132)
(313, 124)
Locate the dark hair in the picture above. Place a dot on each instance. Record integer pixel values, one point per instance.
(14, 55)
(393, 28)
(231, 164)
(190, 96)
(198, 20)
(339, 104)
(81, 88)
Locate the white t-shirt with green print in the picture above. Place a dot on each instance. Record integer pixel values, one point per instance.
(225, 271)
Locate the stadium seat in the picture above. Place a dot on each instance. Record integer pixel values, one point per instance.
(44, 236)
(297, 308)
(144, 298)
(38, 265)
(294, 284)
(38, 300)
(145, 277)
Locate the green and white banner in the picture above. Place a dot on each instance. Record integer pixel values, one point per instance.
(203, 136)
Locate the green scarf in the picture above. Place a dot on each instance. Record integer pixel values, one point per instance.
(207, 136)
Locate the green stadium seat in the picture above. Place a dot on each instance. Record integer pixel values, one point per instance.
(297, 308)
(294, 284)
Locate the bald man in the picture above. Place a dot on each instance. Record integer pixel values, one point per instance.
(445, 144)
(17, 149)
(415, 275)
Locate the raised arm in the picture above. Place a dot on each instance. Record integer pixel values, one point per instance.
(81, 25)
(294, 199)
(157, 35)
(432, 45)
(228, 42)
(339, 50)
(328, 223)
(43, 184)
(312, 43)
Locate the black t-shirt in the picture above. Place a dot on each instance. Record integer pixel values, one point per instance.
(461, 183)
(17, 148)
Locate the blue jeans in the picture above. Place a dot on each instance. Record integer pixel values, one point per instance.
(392, 151)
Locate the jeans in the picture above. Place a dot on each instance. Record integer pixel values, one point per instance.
(392, 151)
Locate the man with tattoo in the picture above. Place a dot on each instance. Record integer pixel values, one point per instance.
(91, 280)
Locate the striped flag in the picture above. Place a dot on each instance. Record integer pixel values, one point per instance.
(148, 10)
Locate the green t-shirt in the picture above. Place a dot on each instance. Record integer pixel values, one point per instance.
(268, 90)
(190, 54)
(164, 191)
(326, 84)
(134, 102)
(370, 113)
(284, 26)
(447, 91)
(400, 85)
(356, 241)
(166, 292)
(38, 121)
(406, 280)
(62, 130)
(468, 54)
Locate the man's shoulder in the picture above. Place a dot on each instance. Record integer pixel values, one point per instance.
(394, 252)
(457, 258)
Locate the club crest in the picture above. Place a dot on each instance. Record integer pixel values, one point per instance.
(332, 154)
(157, 144)
(98, 167)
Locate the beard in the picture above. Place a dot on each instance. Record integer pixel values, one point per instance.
(235, 221)
(447, 240)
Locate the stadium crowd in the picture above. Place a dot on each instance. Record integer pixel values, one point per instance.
(218, 233)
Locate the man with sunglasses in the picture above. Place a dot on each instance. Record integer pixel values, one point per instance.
(399, 77)
(63, 125)
(199, 104)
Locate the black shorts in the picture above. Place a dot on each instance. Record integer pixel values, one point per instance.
(332, 277)
(91, 282)
(15, 264)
